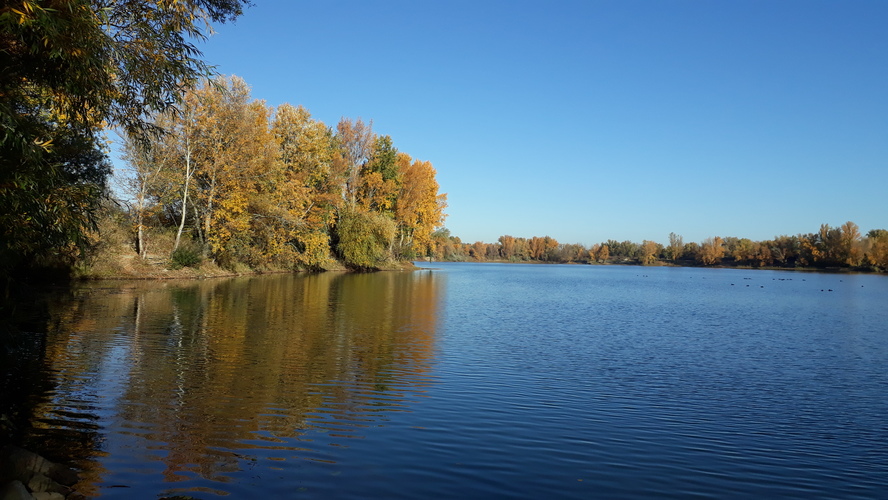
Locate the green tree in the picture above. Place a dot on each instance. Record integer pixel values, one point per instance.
(70, 68)
(364, 237)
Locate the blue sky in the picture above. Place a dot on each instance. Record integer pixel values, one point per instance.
(592, 120)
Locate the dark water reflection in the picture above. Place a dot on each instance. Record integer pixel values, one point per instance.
(469, 381)
(199, 384)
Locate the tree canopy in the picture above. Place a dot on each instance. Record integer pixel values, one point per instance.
(273, 188)
(70, 69)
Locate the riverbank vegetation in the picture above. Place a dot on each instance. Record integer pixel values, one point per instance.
(840, 247)
(214, 177)
(71, 70)
(249, 186)
(218, 182)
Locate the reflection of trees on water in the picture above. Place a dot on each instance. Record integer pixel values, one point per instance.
(197, 374)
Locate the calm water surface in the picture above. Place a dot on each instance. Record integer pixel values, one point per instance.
(469, 381)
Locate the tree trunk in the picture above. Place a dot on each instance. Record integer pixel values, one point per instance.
(140, 239)
(188, 174)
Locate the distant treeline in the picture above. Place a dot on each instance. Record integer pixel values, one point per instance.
(831, 247)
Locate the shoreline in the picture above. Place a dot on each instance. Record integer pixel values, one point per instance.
(211, 271)
(154, 271)
(827, 270)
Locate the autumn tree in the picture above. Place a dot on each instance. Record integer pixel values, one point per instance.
(311, 189)
(419, 208)
(603, 253)
(741, 249)
(355, 141)
(537, 248)
(145, 164)
(850, 251)
(180, 128)
(763, 254)
(676, 246)
(70, 68)
(447, 246)
(877, 248)
(364, 237)
(648, 252)
(380, 177)
(171, 155)
(226, 152)
(442, 246)
(571, 252)
(712, 250)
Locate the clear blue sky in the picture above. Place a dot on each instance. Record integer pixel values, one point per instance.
(591, 120)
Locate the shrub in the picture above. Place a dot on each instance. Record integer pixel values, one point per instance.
(186, 256)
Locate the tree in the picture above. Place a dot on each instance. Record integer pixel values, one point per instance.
(238, 175)
(145, 167)
(419, 208)
(184, 131)
(604, 253)
(763, 254)
(355, 140)
(109, 61)
(507, 247)
(48, 204)
(364, 237)
(572, 252)
(380, 177)
(312, 192)
(537, 248)
(743, 249)
(70, 68)
(649, 251)
(712, 250)
(850, 245)
(877, 248)
(676, 246)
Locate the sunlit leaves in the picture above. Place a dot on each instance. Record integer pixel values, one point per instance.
(712, 250)
(419, 209)
(364, 237)
(274, 188)
(70, 69)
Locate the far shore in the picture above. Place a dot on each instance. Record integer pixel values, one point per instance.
(155, 270)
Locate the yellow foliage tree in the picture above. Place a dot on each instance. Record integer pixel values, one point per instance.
(712, 250)
(649, 250)
(310, 192)
(419, 208)
(603, 253)
(238, 165)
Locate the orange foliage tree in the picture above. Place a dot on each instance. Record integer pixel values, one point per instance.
(712, 250)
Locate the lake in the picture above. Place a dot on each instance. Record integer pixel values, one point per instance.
(464, 381)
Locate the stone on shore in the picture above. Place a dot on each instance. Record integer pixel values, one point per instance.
(23, 465)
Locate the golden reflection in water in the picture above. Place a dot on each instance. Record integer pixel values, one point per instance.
(194, 375)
